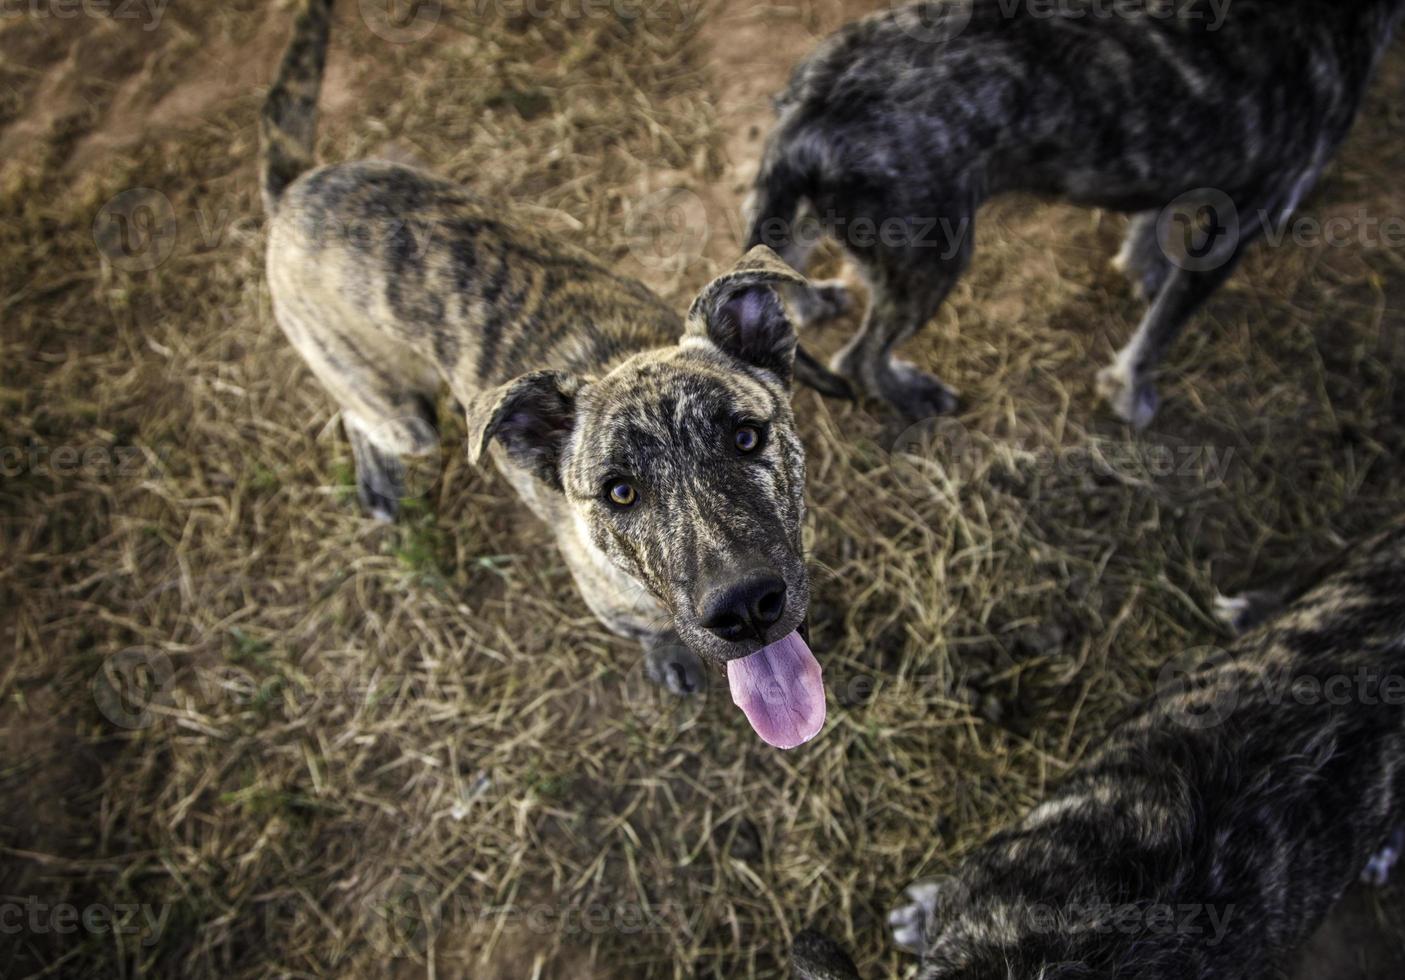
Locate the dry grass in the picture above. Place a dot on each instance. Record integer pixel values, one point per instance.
(414, 745)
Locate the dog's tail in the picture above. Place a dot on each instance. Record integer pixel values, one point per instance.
(288, 126)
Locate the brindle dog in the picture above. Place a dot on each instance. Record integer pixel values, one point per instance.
(1217, 825)
(1206, 120)
(661, 451)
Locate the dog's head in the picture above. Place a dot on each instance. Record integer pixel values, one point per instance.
(683, 467)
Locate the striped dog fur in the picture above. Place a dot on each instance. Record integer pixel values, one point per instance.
(1217, 825)
(660, 449)
(892, 134)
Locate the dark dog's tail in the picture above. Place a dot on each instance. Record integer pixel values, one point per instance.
(288, 127)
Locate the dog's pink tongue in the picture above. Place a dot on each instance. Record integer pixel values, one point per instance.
(781, 689)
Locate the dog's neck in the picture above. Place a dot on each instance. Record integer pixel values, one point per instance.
(605, 348)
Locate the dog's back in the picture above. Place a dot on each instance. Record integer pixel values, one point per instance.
(1082, 103)
(1212, 120)
(1249, 794)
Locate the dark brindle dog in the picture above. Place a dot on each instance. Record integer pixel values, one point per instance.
(1214, 829)
(892, 134)
(661, 451)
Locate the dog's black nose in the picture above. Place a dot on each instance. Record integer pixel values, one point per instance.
(746, 607)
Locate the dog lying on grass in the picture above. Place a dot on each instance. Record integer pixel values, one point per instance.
(661, 451)
(1216, 827)
(1208, 122)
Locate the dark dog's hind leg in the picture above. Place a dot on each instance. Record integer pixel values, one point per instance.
(819, 301)
(1249, 610)
(778, 214)
(911, 267)
(813, 304)
(793, 238)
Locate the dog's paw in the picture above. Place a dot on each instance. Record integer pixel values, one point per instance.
(917, 395)
(1132, 398)
(380, 501)
(1234, 611)
(676, 668)
(1241, 613)
(1378, 869)
(909, 921)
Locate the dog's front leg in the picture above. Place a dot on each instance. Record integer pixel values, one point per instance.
(670, 664)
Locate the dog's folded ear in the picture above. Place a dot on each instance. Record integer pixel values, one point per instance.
(740, 313)
(531, 417)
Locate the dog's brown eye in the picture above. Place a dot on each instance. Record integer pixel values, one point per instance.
(623, 494)
(747, 439)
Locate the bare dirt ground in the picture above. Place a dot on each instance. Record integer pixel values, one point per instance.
(296, 744)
